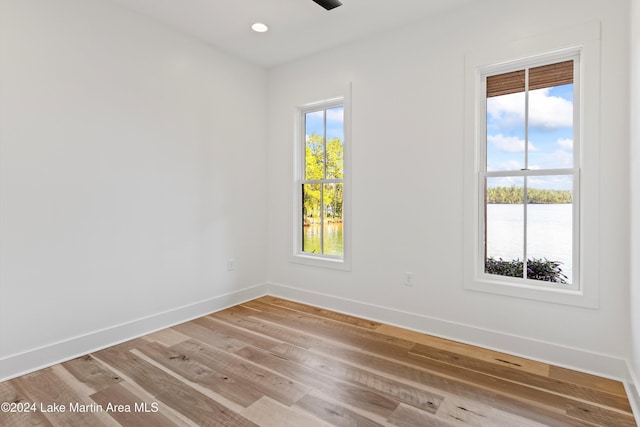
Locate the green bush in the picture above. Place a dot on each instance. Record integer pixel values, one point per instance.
(537, 269)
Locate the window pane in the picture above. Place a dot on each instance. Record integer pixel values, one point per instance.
(550, 228)
(333, 219)
(551, 127)
(314, 146)
(311, 219)
(335, 141)
(504, 226)
(505, 132)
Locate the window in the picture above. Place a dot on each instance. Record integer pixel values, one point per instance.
(320, 187)
(529, 174)
(532, 168)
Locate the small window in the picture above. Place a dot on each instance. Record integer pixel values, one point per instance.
(529, 174)
(320, 186)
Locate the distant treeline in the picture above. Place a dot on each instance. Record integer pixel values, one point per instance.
(515, 195)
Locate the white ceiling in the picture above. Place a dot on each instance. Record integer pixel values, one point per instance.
(297, 27)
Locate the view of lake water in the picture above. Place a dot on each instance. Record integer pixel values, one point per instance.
(332, 239)
(550, 229)
(550, 234)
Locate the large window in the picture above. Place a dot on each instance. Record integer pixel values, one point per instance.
(529, 173)
(532, 168)
(320, 186)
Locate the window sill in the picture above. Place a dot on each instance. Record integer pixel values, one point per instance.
(555, 295)
(321, 262)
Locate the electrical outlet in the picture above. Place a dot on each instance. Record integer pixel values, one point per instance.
(231, 264)
(408, 278)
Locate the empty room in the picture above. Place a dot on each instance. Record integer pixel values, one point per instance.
(319, 213)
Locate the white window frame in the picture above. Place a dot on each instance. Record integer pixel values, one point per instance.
(525, 173)
(322, 260)
(581, 42)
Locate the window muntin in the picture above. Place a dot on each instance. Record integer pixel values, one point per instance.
(321, 188)
(529, 175)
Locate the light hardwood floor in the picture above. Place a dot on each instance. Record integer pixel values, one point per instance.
(273, 362)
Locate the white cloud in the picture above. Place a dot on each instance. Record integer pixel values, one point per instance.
(507, 181)
(510, 165)
(335, 114)
(507, 110)
(564, 159)
(557, 159)
(566, 144)
(509, 144)
(556, 182)
(548, 112)
(318, 115)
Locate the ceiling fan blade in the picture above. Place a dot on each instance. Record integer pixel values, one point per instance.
(328, 4)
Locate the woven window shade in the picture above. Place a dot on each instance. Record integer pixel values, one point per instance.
(551, 75)
(504, 84)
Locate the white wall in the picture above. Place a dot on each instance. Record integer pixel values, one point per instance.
(132, 167)
(407, 177)
(635, 185)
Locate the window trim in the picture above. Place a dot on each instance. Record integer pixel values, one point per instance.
(298, 256)
(584, 40)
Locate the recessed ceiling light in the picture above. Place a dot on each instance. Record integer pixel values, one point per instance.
(259, 27)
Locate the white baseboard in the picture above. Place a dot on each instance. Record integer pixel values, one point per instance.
(599, 364)
(631, 386)
(39, 358)
(572, 358)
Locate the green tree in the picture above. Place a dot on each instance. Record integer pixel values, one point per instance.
(314, 157)
(316, 154)
(335, 159)
(515, 195)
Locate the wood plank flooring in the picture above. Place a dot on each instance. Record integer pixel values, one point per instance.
(273, 362)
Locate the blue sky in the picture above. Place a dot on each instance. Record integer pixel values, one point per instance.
(335, 118)
(550, 143)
